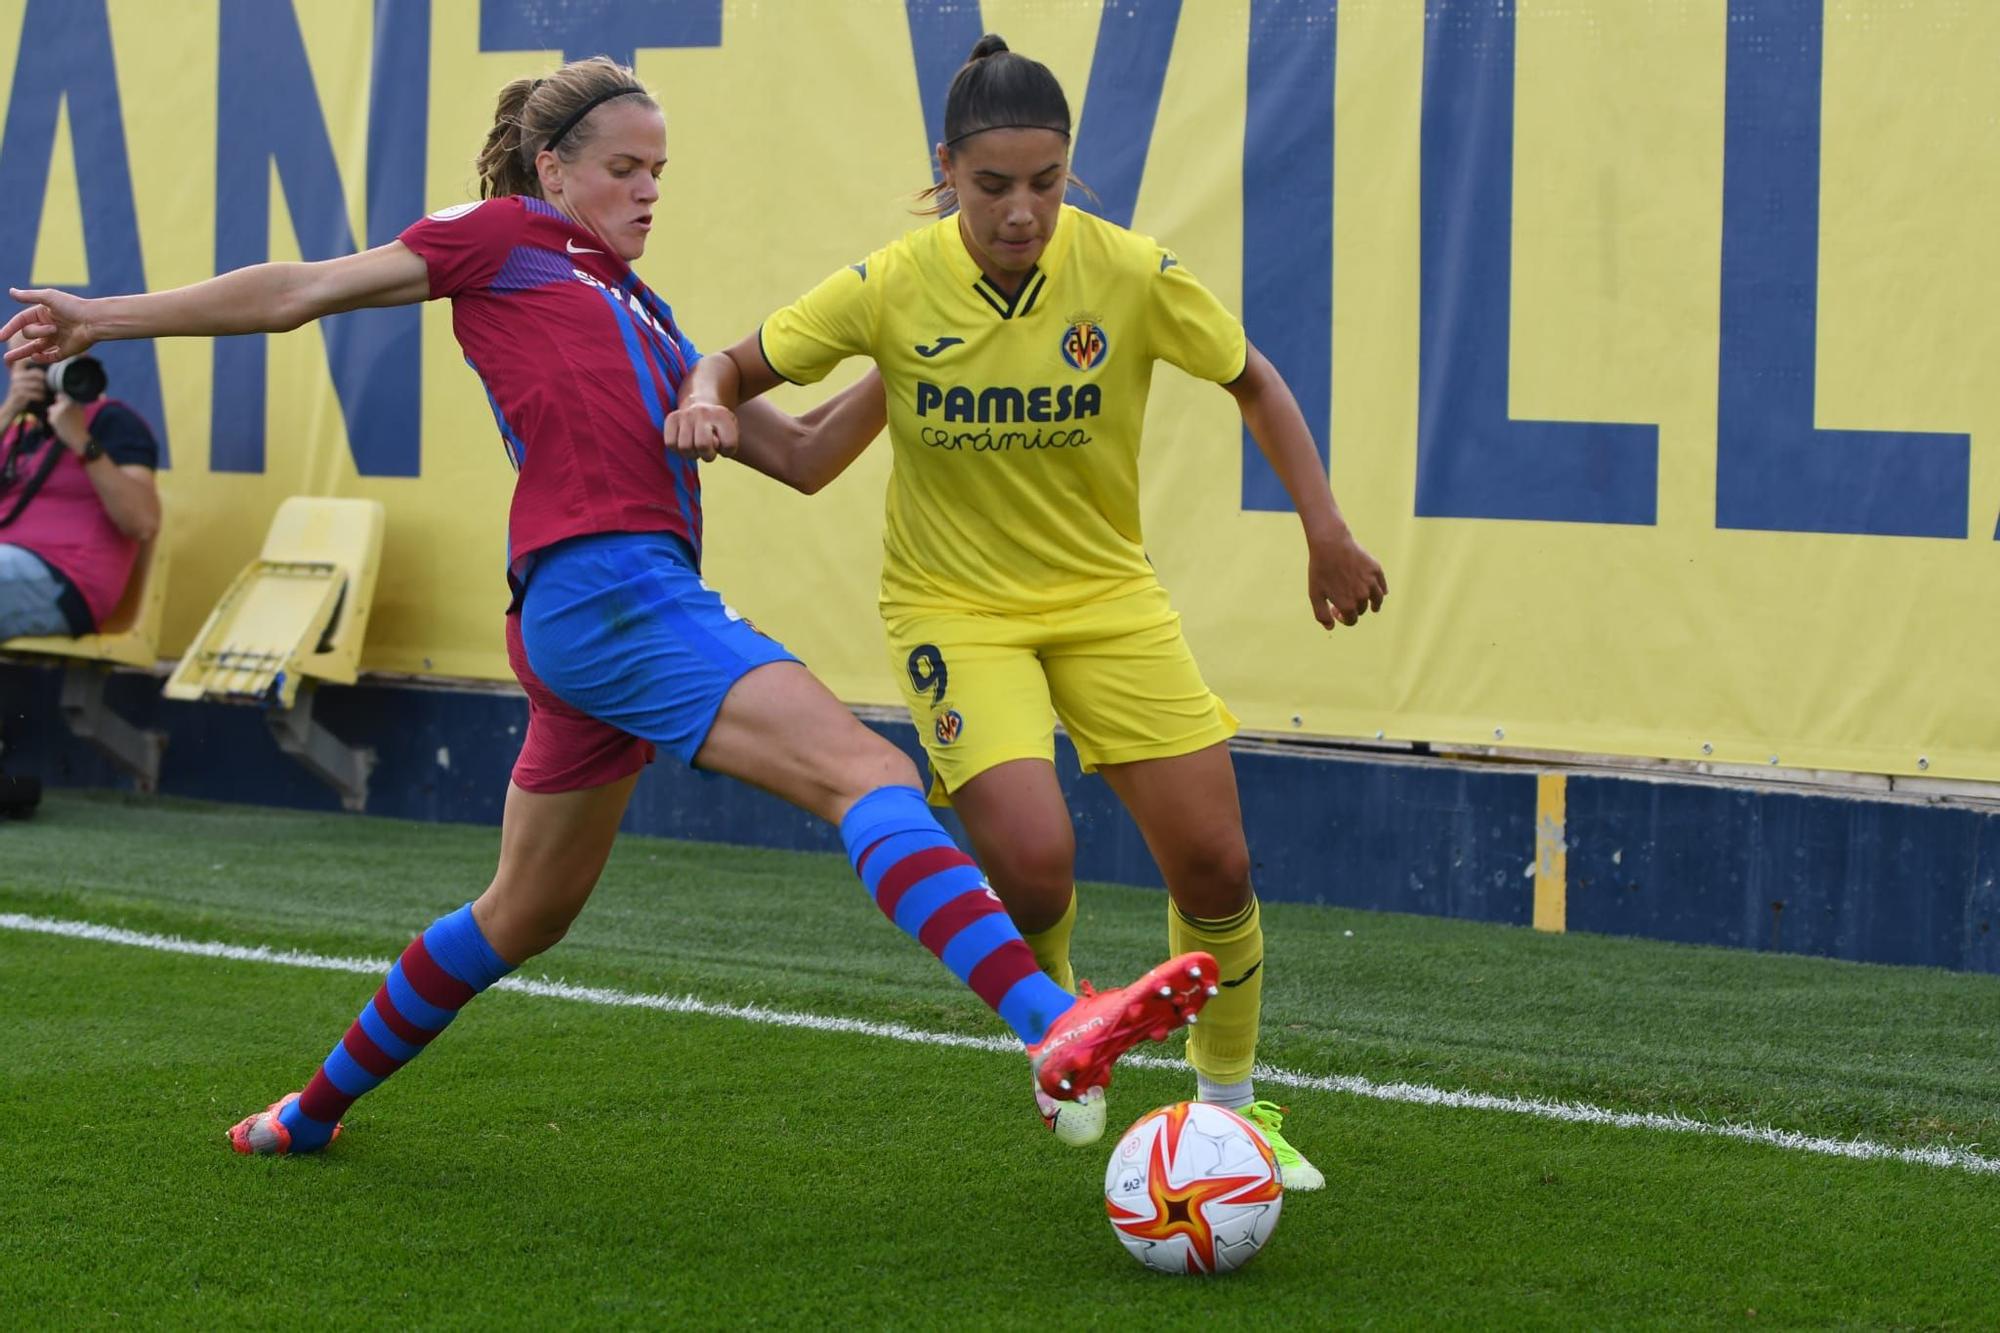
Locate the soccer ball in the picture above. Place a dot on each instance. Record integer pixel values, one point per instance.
(1193, 1188)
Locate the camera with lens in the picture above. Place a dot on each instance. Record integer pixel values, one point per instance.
(80, 379)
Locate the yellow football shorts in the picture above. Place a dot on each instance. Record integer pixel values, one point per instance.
(986, 689)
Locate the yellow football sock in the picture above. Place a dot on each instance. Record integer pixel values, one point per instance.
(1223, 1045)
(1051, 947)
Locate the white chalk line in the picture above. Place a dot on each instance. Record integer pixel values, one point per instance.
(1582, 1113)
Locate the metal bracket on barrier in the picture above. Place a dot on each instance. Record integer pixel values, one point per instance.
(90, 718)
(341, 766)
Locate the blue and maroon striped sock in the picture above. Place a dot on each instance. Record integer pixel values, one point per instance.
(442, 969)
(934, 892)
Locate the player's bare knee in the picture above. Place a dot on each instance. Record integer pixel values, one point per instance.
(892, 768)
(1035, 881)
(532, 933)
(519, 927)
(1033, 913)
(1212, 881)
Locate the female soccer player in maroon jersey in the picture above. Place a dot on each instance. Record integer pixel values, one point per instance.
(618, 643)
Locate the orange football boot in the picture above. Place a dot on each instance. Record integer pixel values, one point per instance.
(263, 1134)
(1077, 1052)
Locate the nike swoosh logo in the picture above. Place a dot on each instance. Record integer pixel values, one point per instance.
(938, 346)
(1247, 975)
(576, 249)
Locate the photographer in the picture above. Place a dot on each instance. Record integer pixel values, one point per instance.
(76, 498)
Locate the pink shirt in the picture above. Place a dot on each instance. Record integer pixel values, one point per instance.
(66, 523)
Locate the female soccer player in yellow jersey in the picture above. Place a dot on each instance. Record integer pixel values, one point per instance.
(1016, 339)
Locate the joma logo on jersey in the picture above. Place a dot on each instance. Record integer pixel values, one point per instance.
(1084, 345)
(1063, 403)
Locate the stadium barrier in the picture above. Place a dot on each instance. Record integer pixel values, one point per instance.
(1777, 865)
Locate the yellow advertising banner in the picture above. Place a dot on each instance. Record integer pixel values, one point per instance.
(1648, 344)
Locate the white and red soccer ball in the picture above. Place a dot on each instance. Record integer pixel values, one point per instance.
(1193, 1188)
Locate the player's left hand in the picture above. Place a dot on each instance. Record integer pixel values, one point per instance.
(55, 325)
(1343, 580)
(702, 430)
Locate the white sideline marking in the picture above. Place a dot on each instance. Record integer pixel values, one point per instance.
(1962, 1159)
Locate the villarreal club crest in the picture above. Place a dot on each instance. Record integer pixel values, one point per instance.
(1084, 345)
(948, 726)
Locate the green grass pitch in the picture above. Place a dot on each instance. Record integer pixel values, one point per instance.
(557, 1163)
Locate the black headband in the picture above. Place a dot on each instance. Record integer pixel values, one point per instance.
(587, 108)
(1064, 132)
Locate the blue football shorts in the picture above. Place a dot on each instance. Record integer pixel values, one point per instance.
(619, 630)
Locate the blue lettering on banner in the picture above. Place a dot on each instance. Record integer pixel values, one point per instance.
(1114, 131)
(70, 62)
(1774, 470)
(942, 33)
(1473, 460)
(584, 28)
(1288, 218)
(267, 110)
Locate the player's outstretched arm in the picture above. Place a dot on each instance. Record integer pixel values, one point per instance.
(704, 425)
(1343, 581)
(264, 298)
(808, 452)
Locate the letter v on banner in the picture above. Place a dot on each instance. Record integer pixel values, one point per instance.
(1128, 68)
(268, 110)
(71, 62)
(1288, 217)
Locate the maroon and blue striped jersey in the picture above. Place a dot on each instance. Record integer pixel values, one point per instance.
(581, 363)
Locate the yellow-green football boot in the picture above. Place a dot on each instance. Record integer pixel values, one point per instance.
(1293, 1168)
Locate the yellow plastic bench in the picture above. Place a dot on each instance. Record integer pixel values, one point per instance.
(293, 618)
(129, 637)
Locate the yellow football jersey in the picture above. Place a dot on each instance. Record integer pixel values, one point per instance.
(1015, 421)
